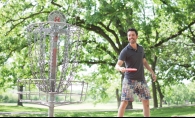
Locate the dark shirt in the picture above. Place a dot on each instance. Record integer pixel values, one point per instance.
(133, 59)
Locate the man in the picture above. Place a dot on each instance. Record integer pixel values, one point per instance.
(134, 82)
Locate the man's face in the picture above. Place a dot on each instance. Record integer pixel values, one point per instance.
(132, 37)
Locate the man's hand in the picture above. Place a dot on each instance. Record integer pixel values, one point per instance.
(153, 77)
(122, 69)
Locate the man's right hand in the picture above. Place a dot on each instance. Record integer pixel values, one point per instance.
(122, 69)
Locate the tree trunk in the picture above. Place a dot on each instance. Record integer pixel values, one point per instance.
(20, 96)
(118, 98)
(130, 105)
(160, 93)
(161, 101)
(155, 101)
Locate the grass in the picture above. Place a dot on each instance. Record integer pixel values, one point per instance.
(29, 111)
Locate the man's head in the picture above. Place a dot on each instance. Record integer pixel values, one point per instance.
(132, 35)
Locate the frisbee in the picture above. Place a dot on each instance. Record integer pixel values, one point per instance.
(131, 69)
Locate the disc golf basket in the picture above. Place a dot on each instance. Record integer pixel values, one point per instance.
(54, 50)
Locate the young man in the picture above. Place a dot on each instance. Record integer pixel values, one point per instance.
(134, 82)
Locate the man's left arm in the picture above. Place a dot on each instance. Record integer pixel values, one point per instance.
(145, 63)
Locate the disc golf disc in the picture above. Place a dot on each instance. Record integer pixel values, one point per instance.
(131, 69)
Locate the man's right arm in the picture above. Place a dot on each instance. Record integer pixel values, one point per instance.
(118, 66)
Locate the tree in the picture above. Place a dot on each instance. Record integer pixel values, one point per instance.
(157, 22)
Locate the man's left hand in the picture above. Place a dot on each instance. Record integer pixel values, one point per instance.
(154, 77)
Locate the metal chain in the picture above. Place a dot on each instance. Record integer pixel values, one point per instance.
(41, 60)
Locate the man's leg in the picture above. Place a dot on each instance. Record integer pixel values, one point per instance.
(122, 108)
(127, 95)
(146, 108)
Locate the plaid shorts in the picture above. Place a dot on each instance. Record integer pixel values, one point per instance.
(131, 87)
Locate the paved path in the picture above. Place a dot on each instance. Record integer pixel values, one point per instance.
(84, 107)
(22, 113)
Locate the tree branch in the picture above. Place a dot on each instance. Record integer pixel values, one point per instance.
(23, 19)
(52, 2)
(99, 31)
(174, 35)
(103, 48)
(193, 36)
(165, 2)
(111, 31)
(97, 62)
(121, 32)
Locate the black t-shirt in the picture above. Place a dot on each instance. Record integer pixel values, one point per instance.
(133, 59)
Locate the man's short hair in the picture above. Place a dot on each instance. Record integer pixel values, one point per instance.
(132, 29)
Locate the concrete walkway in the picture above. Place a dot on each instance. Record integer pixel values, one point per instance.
(83, 107)
(1, 113)
(78, 107)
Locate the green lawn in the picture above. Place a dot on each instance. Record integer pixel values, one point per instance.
(188, 111)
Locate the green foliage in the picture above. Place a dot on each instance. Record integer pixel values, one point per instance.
(8, 97)
(180, 94)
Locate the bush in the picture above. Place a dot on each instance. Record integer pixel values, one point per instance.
(8, 98)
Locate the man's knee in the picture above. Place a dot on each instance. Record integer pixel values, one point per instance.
(124, 103)
(145, 102)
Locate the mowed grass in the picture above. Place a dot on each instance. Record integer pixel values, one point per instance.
(186, 111)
